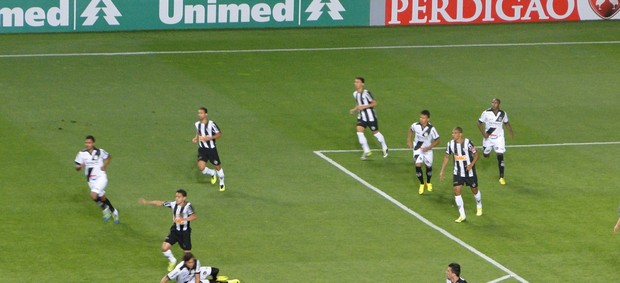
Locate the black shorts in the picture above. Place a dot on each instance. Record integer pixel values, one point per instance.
(184, 238)
(374, 125)
(210, 155)
(469, 181)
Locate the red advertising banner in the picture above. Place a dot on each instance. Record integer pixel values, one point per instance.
(422, 12)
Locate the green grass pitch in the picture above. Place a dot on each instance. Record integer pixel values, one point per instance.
(288, 215)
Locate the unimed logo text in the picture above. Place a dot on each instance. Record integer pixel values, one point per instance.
(35, 16)
(176, 11)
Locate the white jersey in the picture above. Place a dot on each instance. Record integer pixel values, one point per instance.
(423, 136)
(93, 161)
(494, 123)
(184, 274)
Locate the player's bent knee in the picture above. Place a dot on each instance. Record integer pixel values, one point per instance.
(165, 247)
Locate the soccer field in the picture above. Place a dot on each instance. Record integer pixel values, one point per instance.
(281, 98)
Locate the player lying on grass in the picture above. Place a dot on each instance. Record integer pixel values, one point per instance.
(190, 271)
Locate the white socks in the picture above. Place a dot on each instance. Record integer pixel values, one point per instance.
(381, 140)
(209, 172)
(460, 205)
(220, 174)
(168, 254)
(363, 141)
(478, 197)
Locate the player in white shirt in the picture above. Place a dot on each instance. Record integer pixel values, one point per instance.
(95, 161)
(366, 117)
(426, 138)
(491, 125)
(190, 271)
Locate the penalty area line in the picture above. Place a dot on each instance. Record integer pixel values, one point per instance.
(510, 273)
(508, 146)
(500, 279)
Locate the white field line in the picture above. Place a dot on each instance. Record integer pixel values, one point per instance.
(511, 274)
(184, 52)
(500, 279)
(421, 218)
(508, 146)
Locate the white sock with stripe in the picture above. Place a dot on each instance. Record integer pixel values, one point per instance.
(168, 254)
(460, 205)
(208, 171)
(220, 174)
(363, 141)
(381, 140)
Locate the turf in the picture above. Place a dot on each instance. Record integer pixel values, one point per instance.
(287, 215)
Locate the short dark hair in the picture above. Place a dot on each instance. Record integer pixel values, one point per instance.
(90, 137)
(188, 256)
(182, 192)
(361, 79)
(456, 268)
(459, 129)
(203, 109)
(426, 113)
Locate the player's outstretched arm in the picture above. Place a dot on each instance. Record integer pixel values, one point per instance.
(617, 227)
(143, 201)
(165, 279)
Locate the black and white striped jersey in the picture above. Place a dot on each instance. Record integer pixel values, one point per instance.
(180, 211)
(365, 98)
(208, 129)
(463, 156)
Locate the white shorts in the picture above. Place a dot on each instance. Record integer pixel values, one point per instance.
(97, 184)
(425, 157)
(205, 271)
(494, 142)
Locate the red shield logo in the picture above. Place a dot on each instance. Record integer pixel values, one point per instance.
(605, 8)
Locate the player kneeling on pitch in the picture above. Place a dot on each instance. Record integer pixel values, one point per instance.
(190, 271)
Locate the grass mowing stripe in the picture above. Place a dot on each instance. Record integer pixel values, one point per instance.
(508, 146)
(421, 218)
(181, 52)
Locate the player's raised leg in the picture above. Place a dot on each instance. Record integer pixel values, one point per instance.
(202, 166)
(381, 140)
(165, 250)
